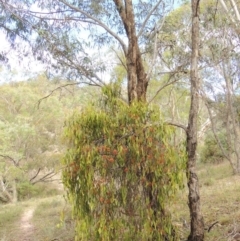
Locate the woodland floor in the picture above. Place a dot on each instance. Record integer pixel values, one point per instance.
(45, 219)
(49, 219)
(220, 204)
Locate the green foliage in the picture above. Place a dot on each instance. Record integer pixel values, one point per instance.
(30, 135)
(27, 190)
(121, 171)
(211, 152)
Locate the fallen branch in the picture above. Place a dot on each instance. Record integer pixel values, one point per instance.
(211, 226)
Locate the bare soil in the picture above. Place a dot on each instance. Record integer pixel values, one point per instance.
(26, 226)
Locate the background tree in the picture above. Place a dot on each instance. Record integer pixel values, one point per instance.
(170, 52)
(31, 146)
(218, 69)
(224, 59)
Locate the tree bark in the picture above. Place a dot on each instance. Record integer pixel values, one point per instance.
(5, 195)
(137, 78)
(14, 190)
(197, 223)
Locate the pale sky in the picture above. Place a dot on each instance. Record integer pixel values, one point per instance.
(22, 69)
(16, 69)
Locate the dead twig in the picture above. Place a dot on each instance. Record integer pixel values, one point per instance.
(211, 226)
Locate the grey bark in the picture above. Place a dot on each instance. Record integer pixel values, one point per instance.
(197, 223)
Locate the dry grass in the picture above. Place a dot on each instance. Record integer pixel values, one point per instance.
(8, 215)
(48, 220)
(220, 202)
(52, 219)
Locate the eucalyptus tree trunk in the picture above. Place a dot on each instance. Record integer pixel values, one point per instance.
(197, 223)
(137, 78)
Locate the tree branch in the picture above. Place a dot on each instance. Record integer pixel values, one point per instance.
(58, 88)
(119, 58)
(177, 125)
(45, 177)
(89, 75)
(161, 88)
(39, 169)
(147, 18)
(16, 163)
(97, 22)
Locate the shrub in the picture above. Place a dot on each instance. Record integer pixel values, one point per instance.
(27, 190)
(211, 152)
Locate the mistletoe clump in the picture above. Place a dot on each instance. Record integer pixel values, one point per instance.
(121, 170)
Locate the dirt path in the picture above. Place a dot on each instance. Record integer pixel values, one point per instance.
(26, 225)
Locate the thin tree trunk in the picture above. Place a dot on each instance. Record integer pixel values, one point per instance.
(235, 8)
(232, 13)
(233, 132)
(197, 223)
(14, 190)
(5, 195)
(225, 153)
